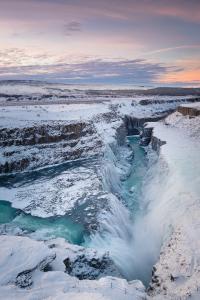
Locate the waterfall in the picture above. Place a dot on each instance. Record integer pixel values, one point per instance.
(123, 233)
(115, 235)
(132, 241)
(168, 198)
(115, 167)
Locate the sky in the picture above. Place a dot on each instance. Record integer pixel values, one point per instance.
(136, 42)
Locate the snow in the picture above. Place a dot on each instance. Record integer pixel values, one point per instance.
(42, 88)
(58, 285)
(132, 106)
(174, 209)
(22, 261)
(19, 89)
(191, 126)
(192, 105)
(22, 116)
(53, 196)
(21, 254)
(171, 196)
(84, 263)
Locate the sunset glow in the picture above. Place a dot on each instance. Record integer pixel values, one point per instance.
(133, 42)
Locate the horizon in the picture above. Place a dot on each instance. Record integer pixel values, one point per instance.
(150, 43)
(120, 86)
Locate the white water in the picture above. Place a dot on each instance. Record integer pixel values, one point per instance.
(125, 230)
(170, 195)
(164, 193)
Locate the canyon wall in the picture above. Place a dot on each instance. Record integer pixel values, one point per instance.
(135, 125)
(41, 145)
(189, 111)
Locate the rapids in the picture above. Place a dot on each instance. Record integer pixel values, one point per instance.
(40, 228)
(123, 230)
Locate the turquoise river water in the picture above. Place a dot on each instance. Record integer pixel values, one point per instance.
(64, 226)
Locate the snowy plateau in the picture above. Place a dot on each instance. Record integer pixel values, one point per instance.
(99, 194)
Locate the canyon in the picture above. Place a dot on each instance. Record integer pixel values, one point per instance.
(103, 195)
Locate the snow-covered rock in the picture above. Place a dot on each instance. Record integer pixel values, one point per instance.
(20, 257)
(190, 126)
(174, 205)
(39, 146)
(58, 285)
(38, 136)
(177, 273)
(83, 263)
(53, 195)
(32, 270)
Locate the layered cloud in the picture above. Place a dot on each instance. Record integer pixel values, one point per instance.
(87, 9)
(138, 71)
(57, 33)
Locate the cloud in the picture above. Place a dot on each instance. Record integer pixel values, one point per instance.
(186, 77)
(116, 9)
(138, 71)
(169, 49)
(113, 9)
(72, 27)
(18, 64)
(149, 23)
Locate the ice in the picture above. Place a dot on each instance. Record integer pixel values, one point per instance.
(19, 255)
(49, 196)
(168, 210)
(22, 262)
(173, 206)
(15, 116)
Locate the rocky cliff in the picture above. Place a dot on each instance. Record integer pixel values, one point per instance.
(135, 125)
(186, 110)
(176, 273)
(41, 145)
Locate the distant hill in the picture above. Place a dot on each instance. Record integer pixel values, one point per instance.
(170, 91)
(119, 91)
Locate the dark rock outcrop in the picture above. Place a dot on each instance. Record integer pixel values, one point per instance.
(45, 144)
(156, 143)
(42, 134)
(189, 111)
(135, 125)
(90, 267)
(146, 135)
(24, 278)
(160, 101)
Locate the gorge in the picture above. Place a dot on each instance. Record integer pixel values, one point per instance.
(121, 185)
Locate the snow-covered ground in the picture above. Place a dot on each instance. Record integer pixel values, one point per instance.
(23, 276)
(174, 211)
(95, 135)
(192, 105)
(46, 196)
(18, 116)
